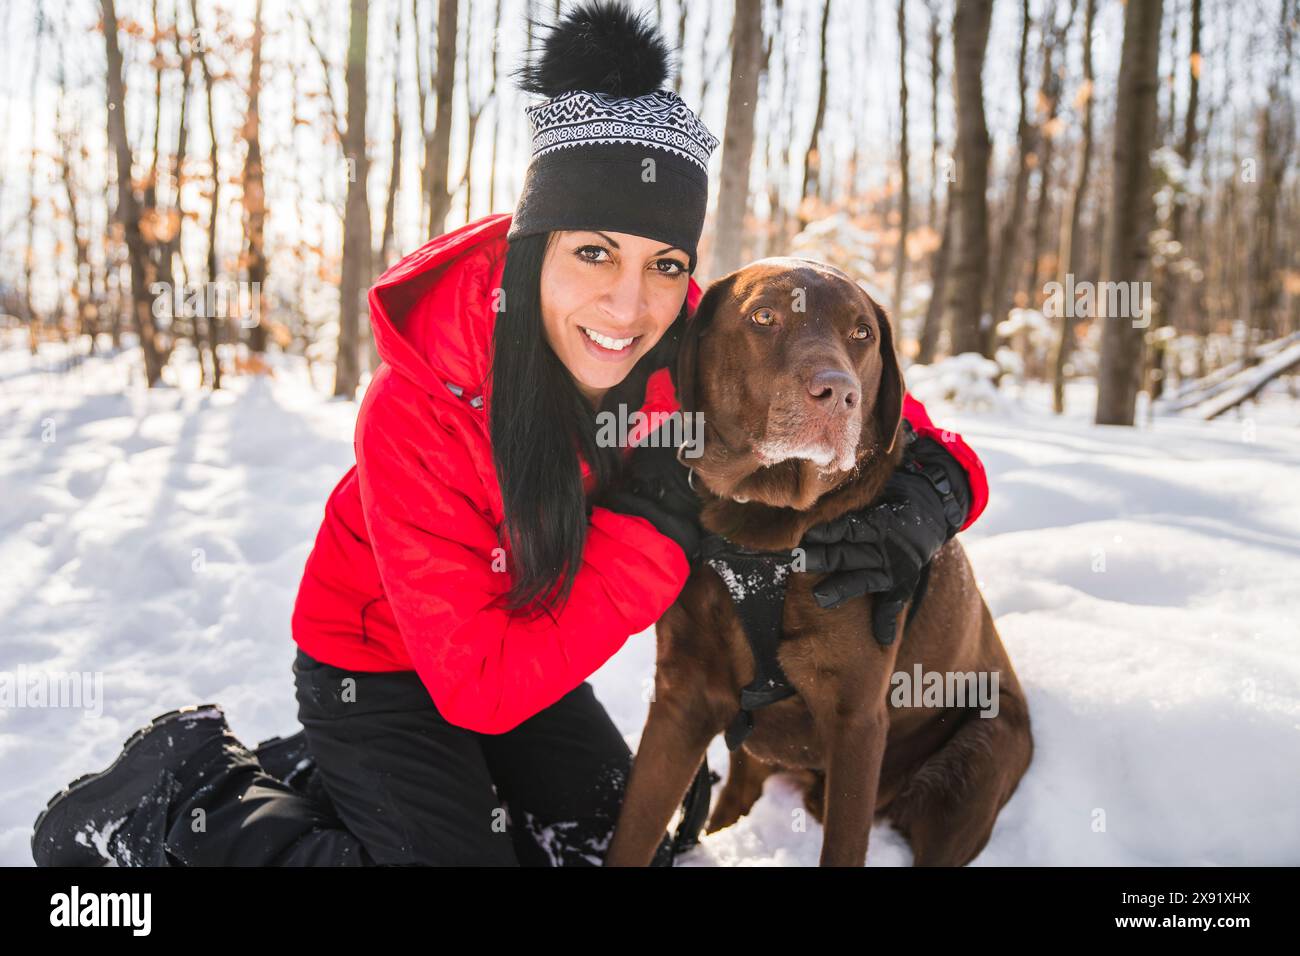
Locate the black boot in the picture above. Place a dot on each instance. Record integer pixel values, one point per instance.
(119, 816)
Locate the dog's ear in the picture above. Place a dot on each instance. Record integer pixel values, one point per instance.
(685, 374)
(889, 397)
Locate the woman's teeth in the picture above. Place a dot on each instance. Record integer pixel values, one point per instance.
(615, 345)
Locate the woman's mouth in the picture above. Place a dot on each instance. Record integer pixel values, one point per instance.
(607, 347)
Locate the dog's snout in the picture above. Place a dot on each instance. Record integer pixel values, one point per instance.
(834, 389)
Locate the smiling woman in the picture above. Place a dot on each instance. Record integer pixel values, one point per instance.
(589, 315)
(465, 582)
(607, 300)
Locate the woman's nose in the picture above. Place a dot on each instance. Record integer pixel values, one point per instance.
(622, 301)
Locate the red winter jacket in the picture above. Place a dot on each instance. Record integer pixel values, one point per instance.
(402, 573)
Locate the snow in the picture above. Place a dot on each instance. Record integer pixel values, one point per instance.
(967, 381)
(1229, 376)
(1249, 381)
(1143, 580)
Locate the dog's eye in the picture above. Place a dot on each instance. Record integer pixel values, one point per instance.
(763, 316)
(862, 332)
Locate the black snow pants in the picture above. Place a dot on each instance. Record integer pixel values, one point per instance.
(409, 789)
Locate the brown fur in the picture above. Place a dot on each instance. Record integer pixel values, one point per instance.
(939, 775)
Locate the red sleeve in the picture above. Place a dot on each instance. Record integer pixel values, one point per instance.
(437, 552)
(916, 414)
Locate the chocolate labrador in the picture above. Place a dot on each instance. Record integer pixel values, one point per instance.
(792, 366)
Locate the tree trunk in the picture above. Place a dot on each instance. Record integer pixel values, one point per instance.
(965, 286)
(929, 343)
(1071, 246)
(1276, 142)
(395, 167)
(128, 209)
(254, 193)
(81, 288)
(356, 216)
(1166, 299)
(213, 327)
(935, 38)
(738, 136)
(1049, 98)
(496, 122)
(1009, 237)
(1127, 247)
(33, 203)
(437, 145)
(905, 185)
(812, 159)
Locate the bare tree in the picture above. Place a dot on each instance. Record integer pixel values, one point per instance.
(936, 36)
(1131, 208)
(473, 112)
(437, 143)
(905, 184)
(214, 203)
(813, 158)
(128, 206)
(738, 136)
(33, 201)
(1275, 151)
(965, 286)
(254, 188)
(1045, 130)
(356, 215)
(1012, 223)
(81, 288)
(384, 255)
(1071, 246)
(496, 117)
(933, 322)
(1167, 285)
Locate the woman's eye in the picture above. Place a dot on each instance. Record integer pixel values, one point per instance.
(762, 316)
(582, 253)
(862, 332)
(674, 268)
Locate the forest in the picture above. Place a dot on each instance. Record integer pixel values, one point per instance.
(208, 182)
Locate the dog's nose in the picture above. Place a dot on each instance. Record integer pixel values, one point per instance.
(834, 390)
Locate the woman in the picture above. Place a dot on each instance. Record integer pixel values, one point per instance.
(465, 583)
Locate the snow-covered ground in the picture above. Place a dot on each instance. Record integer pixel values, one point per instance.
(1145, 581)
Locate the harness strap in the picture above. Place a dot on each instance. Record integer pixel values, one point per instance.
(756, 581)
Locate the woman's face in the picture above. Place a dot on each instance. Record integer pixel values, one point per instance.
(607, 298)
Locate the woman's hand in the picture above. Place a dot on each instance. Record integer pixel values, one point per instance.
(883, 549)
(656, 487)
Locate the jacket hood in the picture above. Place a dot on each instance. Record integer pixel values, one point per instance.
(432, 312)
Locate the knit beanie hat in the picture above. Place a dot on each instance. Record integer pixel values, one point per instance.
(610, 149)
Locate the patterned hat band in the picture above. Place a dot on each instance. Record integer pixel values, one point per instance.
(637, 165)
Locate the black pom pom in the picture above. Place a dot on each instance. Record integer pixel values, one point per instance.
(600, 46)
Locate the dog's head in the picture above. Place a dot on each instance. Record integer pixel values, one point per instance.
(792, 366)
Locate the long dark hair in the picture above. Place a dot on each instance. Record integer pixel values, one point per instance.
(539, 423)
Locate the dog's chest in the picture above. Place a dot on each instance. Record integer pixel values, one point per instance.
(826, 656)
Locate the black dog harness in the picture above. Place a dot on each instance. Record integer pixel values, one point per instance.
(756, 581)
